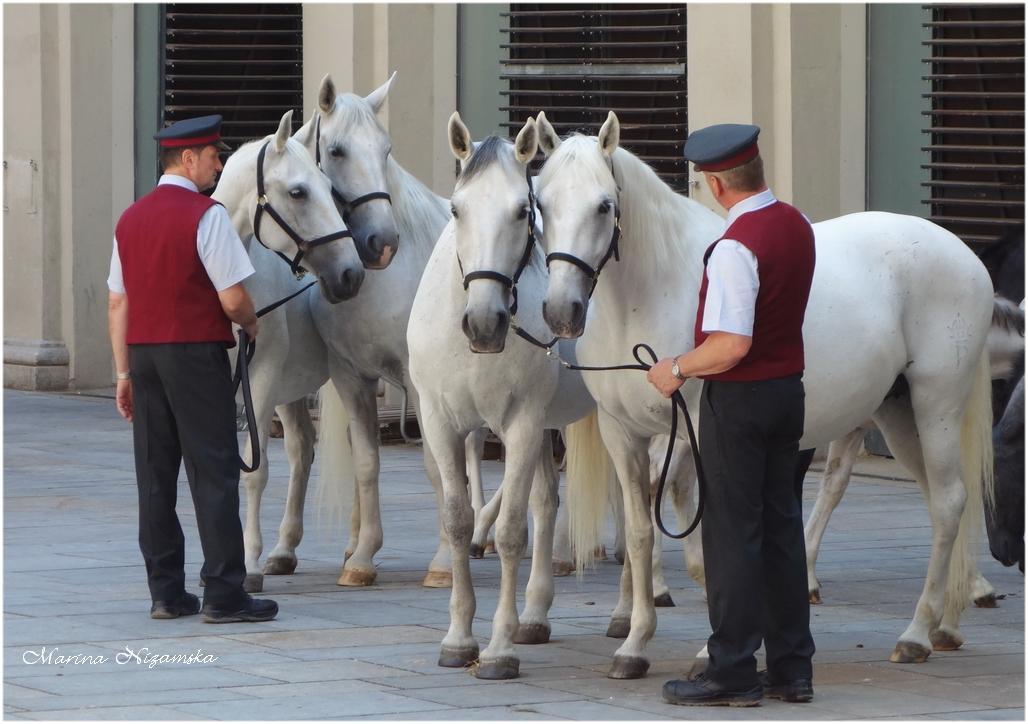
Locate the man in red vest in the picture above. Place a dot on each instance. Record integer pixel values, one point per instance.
(175, 288)
(749, 351)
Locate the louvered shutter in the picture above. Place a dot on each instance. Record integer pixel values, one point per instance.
(576, 62)
(975, 137)
(242, 61)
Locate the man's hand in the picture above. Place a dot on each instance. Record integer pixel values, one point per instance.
(659, 375)
(251, 329)
(123, 399)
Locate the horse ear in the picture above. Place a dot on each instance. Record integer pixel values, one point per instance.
(527, 143)
(285, 129)
(327, 94)
(460, 138)
(377, 98)
(305, 134)
(610, 135)
(548, 138)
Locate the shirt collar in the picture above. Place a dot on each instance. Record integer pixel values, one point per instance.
(751, 203)
(176, 180)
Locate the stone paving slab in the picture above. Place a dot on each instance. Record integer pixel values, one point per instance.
(74, 583)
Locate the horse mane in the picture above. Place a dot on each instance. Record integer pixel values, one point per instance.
(1006, 315)
(655, 221)
(420, 213)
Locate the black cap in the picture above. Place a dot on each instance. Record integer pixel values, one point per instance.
(721, 147)
(202, 131)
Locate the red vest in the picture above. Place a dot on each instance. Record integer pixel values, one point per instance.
(170, 296)
(783, 242)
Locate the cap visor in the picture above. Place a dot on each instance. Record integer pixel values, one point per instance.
(223, 146)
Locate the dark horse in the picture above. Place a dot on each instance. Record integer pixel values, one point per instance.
(1005, 520)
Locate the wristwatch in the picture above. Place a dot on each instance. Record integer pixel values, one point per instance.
(676, 371)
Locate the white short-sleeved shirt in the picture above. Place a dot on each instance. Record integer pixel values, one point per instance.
(732, 277)
(221, 252)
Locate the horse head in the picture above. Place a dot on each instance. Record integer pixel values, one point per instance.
(274, 190)
(352, 148)
(493, 218)
(578, 199)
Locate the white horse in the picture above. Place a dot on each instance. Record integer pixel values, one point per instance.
(895, 330)
(290, 357)
(470, 372)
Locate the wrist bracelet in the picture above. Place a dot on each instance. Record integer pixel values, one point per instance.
(124, 376)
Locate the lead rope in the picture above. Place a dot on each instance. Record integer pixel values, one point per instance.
(677, 403)
(241, 378)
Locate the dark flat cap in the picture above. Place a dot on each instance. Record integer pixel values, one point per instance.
(721, 147)
(202, 131)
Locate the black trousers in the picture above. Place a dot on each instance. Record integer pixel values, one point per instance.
(184, 409)
(754, 556)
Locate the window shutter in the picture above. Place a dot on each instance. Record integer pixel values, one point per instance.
(242, 61)
(576, 62)
(975, 134)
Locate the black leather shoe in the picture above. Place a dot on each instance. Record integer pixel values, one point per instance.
(185, 605)
(252, 610)
(797, 691)
(701, 691)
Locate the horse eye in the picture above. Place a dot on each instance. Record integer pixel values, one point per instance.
(453, 211)
(604, 207)
(298, 193)
(336, 152)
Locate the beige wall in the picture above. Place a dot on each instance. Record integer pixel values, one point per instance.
(797, 71)
(361, 45)
(68, 152)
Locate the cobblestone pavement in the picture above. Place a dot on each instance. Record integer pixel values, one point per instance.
(74, 586)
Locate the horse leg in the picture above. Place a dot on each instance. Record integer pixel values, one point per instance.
(484, 520)
(632, 464)
(254, 483)
(355, 525)
(474, 449)
(683, 495)
(359, 398)
(522, 442)
(299, 436)
(842, 454)
(617, 507)
(447, 463)
(534, 627)
(563, 559)
(440, 568)
(661, 592)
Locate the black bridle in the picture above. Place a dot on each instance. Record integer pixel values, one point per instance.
(346, 206)
(302, 245)
(612, 251)
(509, 283)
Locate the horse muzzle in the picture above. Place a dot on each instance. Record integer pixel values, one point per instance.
(342, 286)
(566, 320)
(486, 333)
(377, 250)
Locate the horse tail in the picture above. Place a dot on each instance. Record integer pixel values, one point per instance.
(976, 471)
(335, 483)
(589, 472)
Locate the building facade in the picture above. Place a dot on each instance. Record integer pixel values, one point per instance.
(852, 100)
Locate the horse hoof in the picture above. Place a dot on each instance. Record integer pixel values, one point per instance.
(253, 583)
(908, 652)
(532, 633)
(619, 556)
(989, 600)
(628, 667)
(279, 566)
(815, 597)
(356, 577)
(490, 546)
(618, 628)
(699, 666)
(664, 600)
(505, 667)
(600, 552)
(457, 658)
(476, 551)
(438, 579)
(946, 639)
(563, 568)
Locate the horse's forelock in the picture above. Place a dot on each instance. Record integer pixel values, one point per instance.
(486, 154)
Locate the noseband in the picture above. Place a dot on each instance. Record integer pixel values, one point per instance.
(346, 206)
(509, 283)
(302, 245)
